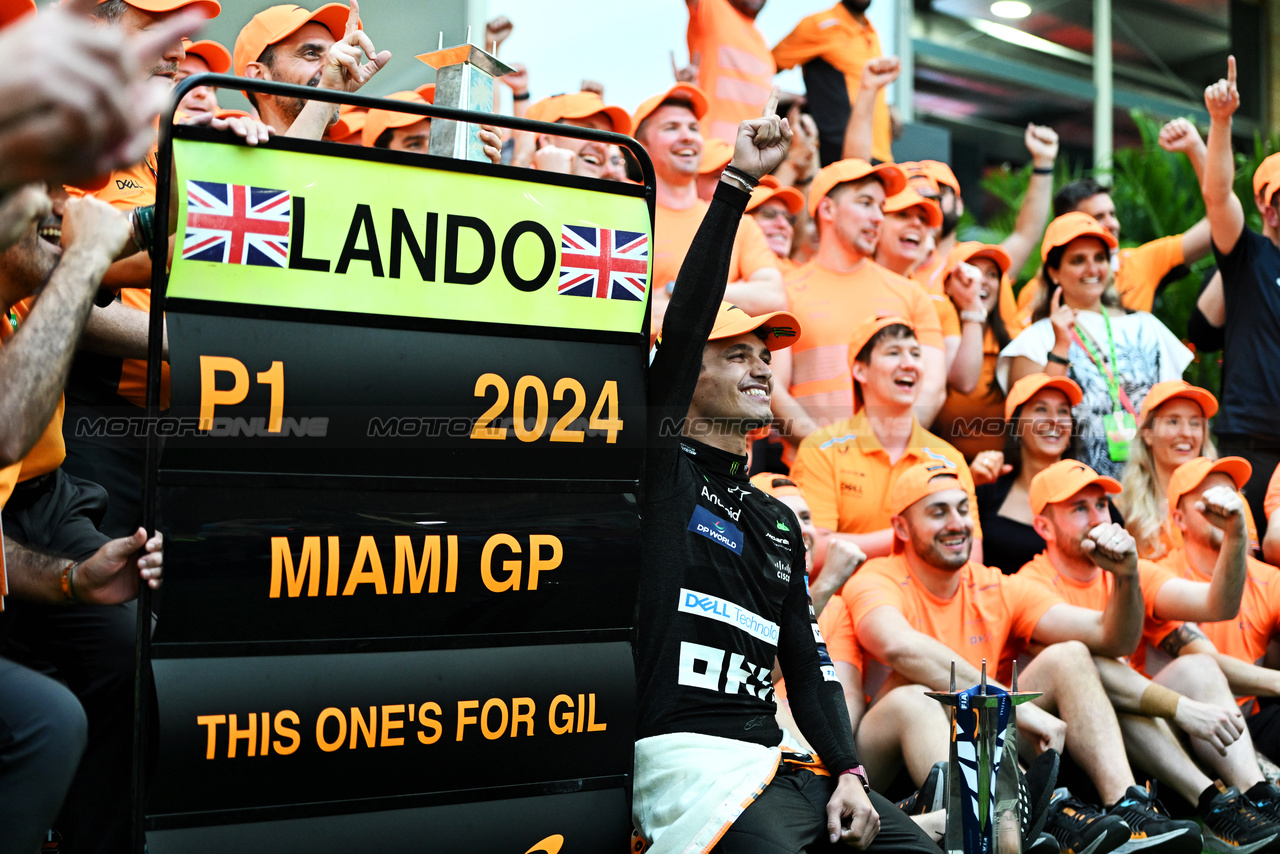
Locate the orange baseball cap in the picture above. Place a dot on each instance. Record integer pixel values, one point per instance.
(970, 249)
(731, 321)
(1064, 479)
(1267, 178)
(1027, 387)
(918, 178)
(777, 485)
(208, 8)
(854, 169)
(867, 329)
(1162, 393)
(580, 105)
(716, 154)
(935, 172)
(909, 198)
(680, 91)
(12, 10)
(279, 22)
(427, 92)
(1192, 473)
(378, 122)
(789, 196)
(350, 122)
(921, 481)
(217, 57)
(1068, 227)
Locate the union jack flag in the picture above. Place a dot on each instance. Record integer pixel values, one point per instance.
(235, 224)
(603, 263)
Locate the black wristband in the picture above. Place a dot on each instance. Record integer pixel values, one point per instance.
(1058, 360)
(519, 96)
(1036, 170)
(738, 173)
(143, 221)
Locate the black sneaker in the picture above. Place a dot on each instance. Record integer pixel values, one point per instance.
(1035, 788)
(1081, 828)
(1266, 797)
(931, 796)
(1150, 826)
(1042, 844)
(1234, 823)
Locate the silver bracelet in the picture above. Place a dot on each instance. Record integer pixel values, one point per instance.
(735, 179)
(974, 315)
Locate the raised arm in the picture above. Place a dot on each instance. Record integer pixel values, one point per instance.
(344, 72)
(876, 74)
(1180, 599)
(1222, 208)
(1042, 142)
(1180, 135)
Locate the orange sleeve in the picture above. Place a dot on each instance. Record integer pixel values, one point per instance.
(814, 472)
(754, 253)
(948, 317)
(1142, 268)
(868, 590)
(1010, 313)
(1027, 297)
(925, 317)
(799, 46)
(1272, 501)
(1028, 600)
(836, 626)
(1151, 577)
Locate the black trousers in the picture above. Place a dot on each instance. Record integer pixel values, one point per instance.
(1264, 456)
(790, 817)
(1264, 728)
(89, 648)
(42, 736)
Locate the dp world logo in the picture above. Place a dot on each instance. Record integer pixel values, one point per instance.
(709, 525)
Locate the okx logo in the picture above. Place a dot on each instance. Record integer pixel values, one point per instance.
(717, 530)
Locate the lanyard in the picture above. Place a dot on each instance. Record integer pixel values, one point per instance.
(1118, 396)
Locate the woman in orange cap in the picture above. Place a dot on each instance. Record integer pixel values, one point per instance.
(1081, 331)
(1173, 428)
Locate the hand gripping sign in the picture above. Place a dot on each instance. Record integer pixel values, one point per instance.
(983, 805)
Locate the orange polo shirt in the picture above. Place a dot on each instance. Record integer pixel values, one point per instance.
(735, 67)
(1141, 269)
(829, 305)
(991, 616)
(846, 475)
(49, 450)
(844, 43)
(1095, 593)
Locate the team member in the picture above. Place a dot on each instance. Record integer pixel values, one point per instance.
(321, 49)
(1250, 265)
(847, 470)
(579, 156)
(731, 61)
(972, 418)
(1070, 502)
(667, 126)
(1239, 645)
(929, 605)
(774, 209)
(397, 131)
(202, 57)
(841, 287)
(906, 235)
(1081, 331)
(705, 747)
(1173, 428)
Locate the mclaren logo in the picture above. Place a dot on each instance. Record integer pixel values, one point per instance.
(550, 845)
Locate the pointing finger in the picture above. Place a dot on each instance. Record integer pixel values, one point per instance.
(1055, 302)
(353, 19)
(771, 106)
(1231, 70)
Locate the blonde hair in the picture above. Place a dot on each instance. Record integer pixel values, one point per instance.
(1143, 504)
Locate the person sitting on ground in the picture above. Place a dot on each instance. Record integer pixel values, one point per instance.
(1173, 428)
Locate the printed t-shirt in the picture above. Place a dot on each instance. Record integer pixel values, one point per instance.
(1251, 363)
(991, 616)
(1138, 269)
(735, 69)
(834, 45)
(1246, 637)
(846, 475)
(829, 305)
(1095, 593)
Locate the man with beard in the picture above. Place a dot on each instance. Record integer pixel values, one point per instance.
(928, 605)
(1191, 693)
(831, 47)
(61, 570)
(732, 62)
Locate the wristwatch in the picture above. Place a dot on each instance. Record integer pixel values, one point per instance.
(861, 773)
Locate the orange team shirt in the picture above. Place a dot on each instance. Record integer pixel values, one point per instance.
(844, 43)
(835, 623)
(846, 475)
(1271, 502)
(735, 67)
(50, 449)
(1095, 593)
(1245, 637)
(990, 617)
(1141, 269)
(673, 233)
(829, 305)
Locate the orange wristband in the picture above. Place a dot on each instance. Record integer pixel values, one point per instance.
(68, 582)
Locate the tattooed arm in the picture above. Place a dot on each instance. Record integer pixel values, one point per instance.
(1243, 677)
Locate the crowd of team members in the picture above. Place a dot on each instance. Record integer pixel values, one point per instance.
(1118, 560)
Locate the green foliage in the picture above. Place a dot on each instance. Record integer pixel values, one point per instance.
(1156, 194)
